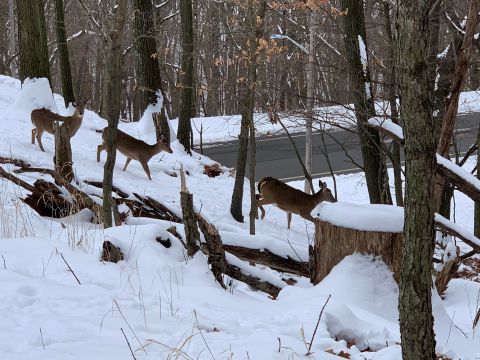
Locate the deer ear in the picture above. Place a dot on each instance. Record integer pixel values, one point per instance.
(324, 185)
(162, 137)
(74, 104)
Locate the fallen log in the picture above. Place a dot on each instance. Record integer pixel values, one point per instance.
(165, 212)
(219, 264)
(267, 258)
(16, 162)
(459, 182)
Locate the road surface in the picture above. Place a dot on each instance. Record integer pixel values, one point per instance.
(275, 155)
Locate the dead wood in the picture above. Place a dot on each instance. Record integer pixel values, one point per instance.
(111, 253)
(162, 211)
(16, 162)
(444, 228)
(220, 266)
(192, 236)
(388, 133)
(99, 184)
(333, 243)
(464, 186)
(267, 258)
(213, 170)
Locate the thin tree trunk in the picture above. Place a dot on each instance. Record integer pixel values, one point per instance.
(255, 23)
(32, 38)
(66, 72)
(373, 161)
(149, 80)
(415, 285)
(113, 85)
(476, 221)
(391, 85)
(184, 121)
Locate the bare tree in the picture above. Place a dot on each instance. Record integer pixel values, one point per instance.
(184, 121)
(112, 107)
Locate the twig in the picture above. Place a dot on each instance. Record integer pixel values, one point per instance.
(41, 337)
(316, 326)
(201, 334)
(126, 322)
(4, 263)
(128, 343)
(70, 269)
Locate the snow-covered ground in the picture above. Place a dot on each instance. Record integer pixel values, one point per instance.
(168, 307)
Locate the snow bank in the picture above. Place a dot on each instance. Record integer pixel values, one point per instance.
(369, 217)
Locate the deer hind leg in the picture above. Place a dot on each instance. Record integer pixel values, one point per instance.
(147, 170)
(34, 133)
(39, 139)
(289, 219)
(126, 163)
(100, 148)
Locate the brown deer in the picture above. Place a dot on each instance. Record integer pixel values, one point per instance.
(135, 149)
(289, 199)
(43, 119)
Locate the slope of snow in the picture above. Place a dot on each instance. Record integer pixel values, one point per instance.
(167, 306)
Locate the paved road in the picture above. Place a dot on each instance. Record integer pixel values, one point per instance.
(276, 157)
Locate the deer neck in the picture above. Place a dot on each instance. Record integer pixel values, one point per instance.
(156, 149)
(317, 197)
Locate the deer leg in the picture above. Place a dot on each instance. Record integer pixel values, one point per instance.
(39, 139)
(34, 133)
(261, 201)
(100, 148)
(126, 163)
(147, 170)
(289, 219)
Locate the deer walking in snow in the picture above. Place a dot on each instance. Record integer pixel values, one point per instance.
(43, 120)
(135, 149)
(291, 200)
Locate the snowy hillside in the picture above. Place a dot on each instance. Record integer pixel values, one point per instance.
(164, 306)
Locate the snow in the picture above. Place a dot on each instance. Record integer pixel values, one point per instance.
(461, 231)
(388, 125)
(368, 217)
(461, 172)
(169, 306)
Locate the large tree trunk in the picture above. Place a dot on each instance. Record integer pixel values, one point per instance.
(32, 38)
(113, 86)
(149, 80)
(360, 81)
(415, 302)
(184, 122)
(66, 72)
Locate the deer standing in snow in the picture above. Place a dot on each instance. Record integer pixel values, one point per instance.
(135, 149)
(43, 120)
(291, 200)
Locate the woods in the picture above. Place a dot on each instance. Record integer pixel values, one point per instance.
(230, 107)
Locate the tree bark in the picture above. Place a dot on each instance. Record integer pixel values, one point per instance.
(63, 152)
(113, 88)
(32, 39)
(66, 72)
(360, 81)
(149, 81)
(476, 220)
(392, 99)
(184, 121)
(416, 91)
(255, 31)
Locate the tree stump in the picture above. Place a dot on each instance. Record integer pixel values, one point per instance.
(63, 152)
(333, 243)
(111, 253)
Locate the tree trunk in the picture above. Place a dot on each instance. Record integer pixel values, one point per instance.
(391, 85)
(67, 85)
(32, 39)
(113, 86)
(415, 302)
(184, 123)
(359, 75)
(149, 80)
(476, 221)
(255, 29)
(63, 152)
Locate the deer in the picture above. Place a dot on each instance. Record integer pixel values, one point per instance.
(43, 120)
(291, 200)
(135, 149)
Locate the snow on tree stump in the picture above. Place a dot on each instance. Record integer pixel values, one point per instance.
(342, 229)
